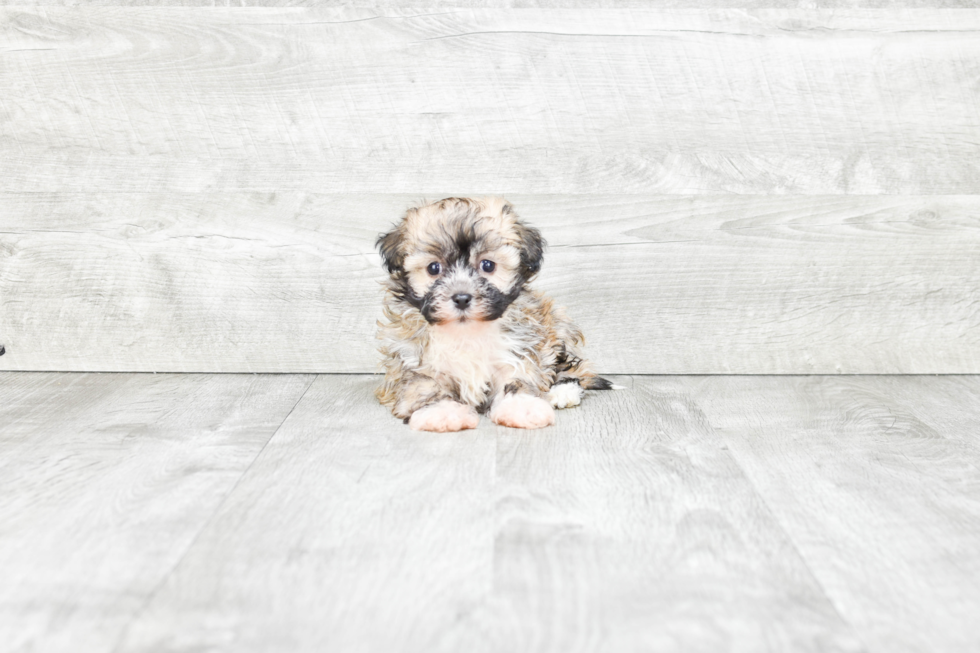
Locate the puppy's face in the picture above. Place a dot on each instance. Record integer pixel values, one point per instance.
(461, 259)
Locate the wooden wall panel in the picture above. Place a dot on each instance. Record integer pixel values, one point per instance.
(741, 191)
(134, 99)
(455, 5)
(289, 282)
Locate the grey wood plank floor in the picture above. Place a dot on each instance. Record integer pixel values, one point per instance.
(105, 481)
(291, 513)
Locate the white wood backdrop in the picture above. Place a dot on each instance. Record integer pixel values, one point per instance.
(725, 190)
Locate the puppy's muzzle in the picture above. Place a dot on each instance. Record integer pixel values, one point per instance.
(462, 300)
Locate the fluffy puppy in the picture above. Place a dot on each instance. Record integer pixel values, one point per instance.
(462, 333)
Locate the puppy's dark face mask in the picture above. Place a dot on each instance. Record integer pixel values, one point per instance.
(459, 260)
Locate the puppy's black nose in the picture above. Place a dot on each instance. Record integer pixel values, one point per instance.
(462, 300)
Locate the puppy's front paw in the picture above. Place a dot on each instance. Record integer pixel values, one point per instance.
(442, 416)
(522, 412)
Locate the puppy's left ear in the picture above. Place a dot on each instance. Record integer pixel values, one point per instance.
(531, 245)
(389, 245)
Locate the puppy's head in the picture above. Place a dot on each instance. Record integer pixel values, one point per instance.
(461, 259)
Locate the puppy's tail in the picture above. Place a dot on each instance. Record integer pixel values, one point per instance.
(598, 383)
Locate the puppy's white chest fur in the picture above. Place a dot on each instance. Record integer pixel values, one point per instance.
(473, 353)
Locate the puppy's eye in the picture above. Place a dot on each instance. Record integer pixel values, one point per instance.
(488, 266)
(434, 268)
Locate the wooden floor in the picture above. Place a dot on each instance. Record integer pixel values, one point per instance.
(144, 512)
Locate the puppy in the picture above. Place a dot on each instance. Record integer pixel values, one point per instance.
(462, 333)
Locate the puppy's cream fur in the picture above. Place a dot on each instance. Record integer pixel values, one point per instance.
(463, 333)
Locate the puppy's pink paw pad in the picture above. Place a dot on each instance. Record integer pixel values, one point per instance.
(523, 412)
(443, 416)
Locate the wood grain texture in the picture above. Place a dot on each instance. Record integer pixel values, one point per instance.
(105, 480)
(132, 99)
(350, 533)
(629, 527)
(877, 481)
(625, 527)
(387, 6)
(142, 513)
(289, 282)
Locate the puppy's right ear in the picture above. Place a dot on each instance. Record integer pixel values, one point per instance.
(389, 245)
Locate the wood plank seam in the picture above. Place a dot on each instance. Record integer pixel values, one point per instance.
(774, 516)
(121, 638)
